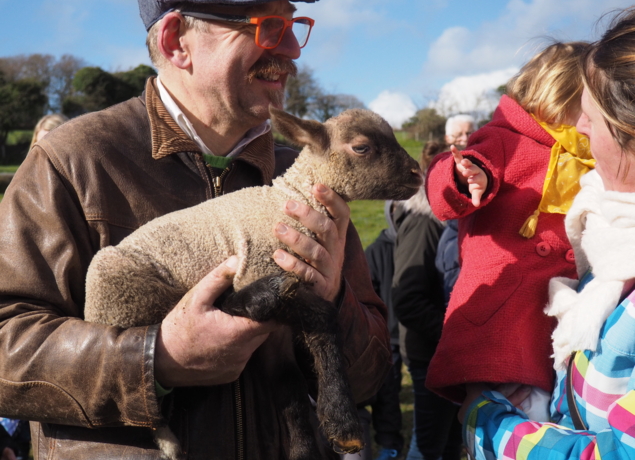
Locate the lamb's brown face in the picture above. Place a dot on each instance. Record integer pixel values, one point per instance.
(356, 154)
(372, 164)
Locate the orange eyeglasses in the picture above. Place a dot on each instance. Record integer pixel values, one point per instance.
(269, 29)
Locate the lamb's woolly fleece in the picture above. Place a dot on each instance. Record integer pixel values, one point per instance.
(192, 250)
(601, 228)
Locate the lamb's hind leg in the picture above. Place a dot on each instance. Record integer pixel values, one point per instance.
(125, 288)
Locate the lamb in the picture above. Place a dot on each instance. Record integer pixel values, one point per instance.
(140, 280)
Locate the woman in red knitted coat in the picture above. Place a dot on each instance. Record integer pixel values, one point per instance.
(510, 190)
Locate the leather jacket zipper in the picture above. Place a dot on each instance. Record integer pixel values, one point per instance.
(218, 179)
(240, 429)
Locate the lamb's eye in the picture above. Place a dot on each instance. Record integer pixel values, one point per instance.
(361, 149)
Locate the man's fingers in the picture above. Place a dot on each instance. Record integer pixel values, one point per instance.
(321, 259)
(215, 282)
(335, 205)
(315, 264)
(292, 264)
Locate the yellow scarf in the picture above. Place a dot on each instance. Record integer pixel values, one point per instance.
(570, 159)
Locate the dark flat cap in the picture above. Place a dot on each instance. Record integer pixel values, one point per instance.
(153, 10)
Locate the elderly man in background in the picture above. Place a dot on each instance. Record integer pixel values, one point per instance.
(458, 129)
(199, 130)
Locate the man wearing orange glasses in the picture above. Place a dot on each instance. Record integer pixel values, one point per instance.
(199, 130)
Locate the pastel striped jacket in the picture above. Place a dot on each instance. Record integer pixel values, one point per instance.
(604, 389)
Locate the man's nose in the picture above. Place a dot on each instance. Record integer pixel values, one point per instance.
(289, 46)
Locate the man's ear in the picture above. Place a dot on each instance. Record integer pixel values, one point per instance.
(169, 41)
(299, 131)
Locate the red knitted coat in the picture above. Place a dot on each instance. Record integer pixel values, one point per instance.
(495, 329)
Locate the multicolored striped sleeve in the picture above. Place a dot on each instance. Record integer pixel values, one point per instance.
(494, 429)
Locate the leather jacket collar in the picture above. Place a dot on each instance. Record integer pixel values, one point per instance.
(168, 138)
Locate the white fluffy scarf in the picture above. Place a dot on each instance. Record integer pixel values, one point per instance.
(601, 228)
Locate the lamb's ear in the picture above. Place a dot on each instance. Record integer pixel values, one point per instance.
(299, 131)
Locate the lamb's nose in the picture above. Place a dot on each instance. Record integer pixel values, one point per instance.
(417, 172)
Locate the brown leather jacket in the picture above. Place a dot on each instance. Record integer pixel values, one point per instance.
(89, 388)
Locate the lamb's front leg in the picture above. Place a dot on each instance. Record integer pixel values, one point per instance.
(290, 393)
(262, 300)
(286, 299)
(336, 409)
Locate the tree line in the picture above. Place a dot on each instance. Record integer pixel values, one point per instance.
(305, 98)
(36, 84)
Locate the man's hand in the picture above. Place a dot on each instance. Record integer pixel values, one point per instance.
(470, 175)
(199, 344)
(516, 393)
(323, 259)
(473, 390)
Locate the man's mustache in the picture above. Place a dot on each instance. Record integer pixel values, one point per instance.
(272, 66)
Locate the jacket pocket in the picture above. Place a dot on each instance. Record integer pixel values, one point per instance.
(486, 300)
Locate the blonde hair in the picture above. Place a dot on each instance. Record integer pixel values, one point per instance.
(549, 86)
(47, 123)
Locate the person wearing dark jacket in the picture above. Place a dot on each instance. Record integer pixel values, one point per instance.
(447, 259)
(419, 304)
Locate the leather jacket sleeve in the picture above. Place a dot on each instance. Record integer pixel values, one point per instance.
(363, 324)
(55, 367)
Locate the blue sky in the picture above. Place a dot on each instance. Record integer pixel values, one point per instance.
(394, 55)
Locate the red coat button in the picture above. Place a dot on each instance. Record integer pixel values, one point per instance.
(543, 249)
(570, 256)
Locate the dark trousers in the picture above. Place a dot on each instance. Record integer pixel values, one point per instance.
(386, 411)
(436, 428)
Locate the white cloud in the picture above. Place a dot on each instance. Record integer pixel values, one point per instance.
(340, 14)
(395, 107)
(510, 39)
(475, 94)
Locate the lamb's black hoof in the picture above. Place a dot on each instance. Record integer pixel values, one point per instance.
(351, 446)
